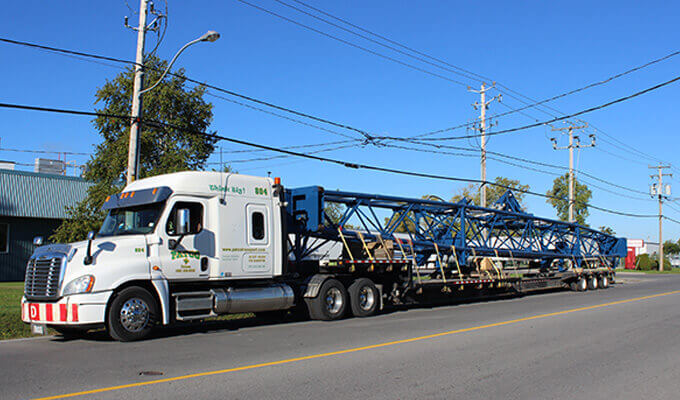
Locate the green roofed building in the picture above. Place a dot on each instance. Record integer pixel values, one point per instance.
(31, 204)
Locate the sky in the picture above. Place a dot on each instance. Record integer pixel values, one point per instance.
(536, 48)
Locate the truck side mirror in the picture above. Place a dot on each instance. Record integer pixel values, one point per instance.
(183, 218)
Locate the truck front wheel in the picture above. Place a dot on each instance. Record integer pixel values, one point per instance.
(331, 302)
(364, 297)
(131, 315)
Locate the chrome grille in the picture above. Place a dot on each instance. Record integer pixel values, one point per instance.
(43, 278)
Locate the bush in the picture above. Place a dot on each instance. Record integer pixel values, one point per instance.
(644, 263)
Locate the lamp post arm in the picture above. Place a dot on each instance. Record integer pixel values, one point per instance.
(170, 65)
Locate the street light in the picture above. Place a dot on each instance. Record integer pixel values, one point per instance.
(209, 36)
(133, 154)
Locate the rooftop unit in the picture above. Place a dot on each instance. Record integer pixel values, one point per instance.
(47, 166)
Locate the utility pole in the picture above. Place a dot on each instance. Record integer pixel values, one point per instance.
(657, 190)
(574, 143)
(142, 28)
(483, 106)
(133, 153)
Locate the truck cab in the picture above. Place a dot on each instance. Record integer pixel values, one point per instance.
(167, 245)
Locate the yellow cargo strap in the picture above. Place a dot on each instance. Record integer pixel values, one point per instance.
(498, 271)
(413, 259)
(349, 252)
(413, 264)
(474, 260)
(514, 264)
(382, 243)
(441, 267)
(370, 257)
(455, 258)
(575, 266)
(401, 248)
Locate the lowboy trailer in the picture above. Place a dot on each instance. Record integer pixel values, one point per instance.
(193, 245)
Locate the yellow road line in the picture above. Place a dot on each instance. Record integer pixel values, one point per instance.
(352, 350)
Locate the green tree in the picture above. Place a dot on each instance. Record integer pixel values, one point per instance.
(671, 247)
(493, 192)
(162, 150)
(560, 195)
(606, 229)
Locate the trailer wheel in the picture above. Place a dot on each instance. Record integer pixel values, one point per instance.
(592, 282)
(579, 285)
(331, 302)
(603, 282)
(364, 297)
(131, 314)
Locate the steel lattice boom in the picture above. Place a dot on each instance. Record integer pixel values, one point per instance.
(502, 230)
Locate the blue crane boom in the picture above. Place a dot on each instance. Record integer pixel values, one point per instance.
(431, 226)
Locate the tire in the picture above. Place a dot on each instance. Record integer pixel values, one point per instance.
(68, 332)
(592, 282)
(364, 297)
(132, 314)
(331, 302)
(579, 285)
(603, 282)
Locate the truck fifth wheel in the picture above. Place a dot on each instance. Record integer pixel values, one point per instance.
(193, 245)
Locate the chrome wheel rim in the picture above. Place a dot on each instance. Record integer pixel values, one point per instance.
(134, 315)
(366, 298)
(334, 300)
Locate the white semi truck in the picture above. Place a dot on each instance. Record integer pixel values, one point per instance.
(193, 245)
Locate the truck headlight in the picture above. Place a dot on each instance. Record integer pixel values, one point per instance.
(83, 284)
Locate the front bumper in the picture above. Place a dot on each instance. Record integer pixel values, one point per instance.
(77, 309)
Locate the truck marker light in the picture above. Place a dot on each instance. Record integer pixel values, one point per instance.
(132, 194)
(277, 181)
(156, 268)
(154, 190)
(107, 199)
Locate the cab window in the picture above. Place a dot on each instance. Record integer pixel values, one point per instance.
(258, 225)
(187, 213)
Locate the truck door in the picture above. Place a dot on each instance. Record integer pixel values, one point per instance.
(258, 257)
(187, 243)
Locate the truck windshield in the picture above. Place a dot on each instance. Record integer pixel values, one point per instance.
(131, 220)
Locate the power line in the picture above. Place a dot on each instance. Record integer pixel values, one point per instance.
(533, 169)
(367, 136)
(356, 46)
(344, 163)
(295, 120)
(43, 151)
(557, 119)
(379, 43)
(457, 70)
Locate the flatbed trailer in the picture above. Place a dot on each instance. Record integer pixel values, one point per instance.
(470, 250)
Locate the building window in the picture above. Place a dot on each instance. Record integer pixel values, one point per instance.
(258, 225)
(4, 238)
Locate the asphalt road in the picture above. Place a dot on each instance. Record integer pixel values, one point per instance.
(619, 343)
